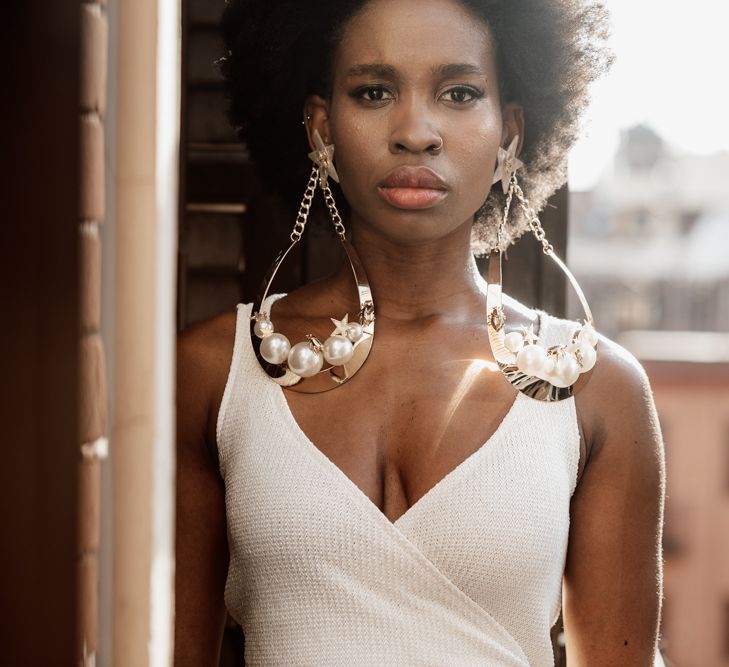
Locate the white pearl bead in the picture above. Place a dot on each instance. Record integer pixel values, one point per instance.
(338, 350)
(263, 328)
(549, 364)
(355, 331)
(531, 359)
(588, 356)
(513, 341)
(275, 348)
(304, 361)
(567, 370)
(588, 335)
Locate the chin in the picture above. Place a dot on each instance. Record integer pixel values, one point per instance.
(412, 228)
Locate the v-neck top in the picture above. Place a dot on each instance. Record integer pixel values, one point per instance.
(471, 574)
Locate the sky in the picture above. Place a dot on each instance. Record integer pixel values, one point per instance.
(671, 72)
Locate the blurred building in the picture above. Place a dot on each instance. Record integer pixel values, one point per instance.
(649, 243)
(692, 397)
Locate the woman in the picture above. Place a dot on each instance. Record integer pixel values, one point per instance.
(425, 512)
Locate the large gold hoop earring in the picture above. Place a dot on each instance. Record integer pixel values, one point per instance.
(313, 366)
(546, 374)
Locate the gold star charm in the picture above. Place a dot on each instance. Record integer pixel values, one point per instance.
(342, 326)
(506, 164)
(529, 336)
(323, 155)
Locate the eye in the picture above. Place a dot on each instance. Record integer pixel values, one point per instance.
(373, 94)
(462, 95)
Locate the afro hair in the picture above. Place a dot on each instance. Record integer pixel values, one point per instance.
(277, 53)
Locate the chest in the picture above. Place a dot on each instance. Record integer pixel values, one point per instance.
(401, 426)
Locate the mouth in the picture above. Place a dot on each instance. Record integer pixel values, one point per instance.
(413, 188)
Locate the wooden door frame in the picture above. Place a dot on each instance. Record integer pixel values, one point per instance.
(39, 260)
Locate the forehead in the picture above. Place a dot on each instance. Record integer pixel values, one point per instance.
(416, 34)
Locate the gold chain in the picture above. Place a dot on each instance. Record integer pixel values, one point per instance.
(534, 223)
(331, 205)
(303, 215)
(507, 206)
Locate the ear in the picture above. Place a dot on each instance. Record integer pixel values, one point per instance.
(316, 117)
(513, 116)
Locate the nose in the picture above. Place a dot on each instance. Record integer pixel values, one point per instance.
(413, 131)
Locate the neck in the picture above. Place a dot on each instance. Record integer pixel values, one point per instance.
(412, 282)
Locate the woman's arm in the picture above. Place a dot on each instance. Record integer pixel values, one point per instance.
(613, 576)
(201, 538)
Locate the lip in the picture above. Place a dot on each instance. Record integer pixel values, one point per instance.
(409, 187)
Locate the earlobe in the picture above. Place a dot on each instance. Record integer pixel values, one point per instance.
(316, 117)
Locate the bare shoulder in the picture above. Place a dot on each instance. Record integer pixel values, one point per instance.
(617, 408)
(209, 341)
(204, 356)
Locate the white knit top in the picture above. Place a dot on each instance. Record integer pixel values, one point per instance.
(469, 575)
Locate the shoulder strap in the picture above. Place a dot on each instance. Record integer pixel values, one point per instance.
(555, 330)
(237, 365)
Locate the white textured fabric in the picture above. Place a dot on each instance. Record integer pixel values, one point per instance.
(469, 575)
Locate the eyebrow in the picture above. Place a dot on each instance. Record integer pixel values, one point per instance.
(388, 71)
(372, 69)
(458, 69)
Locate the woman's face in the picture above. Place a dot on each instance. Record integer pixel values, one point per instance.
(415, 117)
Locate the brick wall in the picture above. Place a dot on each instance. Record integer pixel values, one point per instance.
(92, 375)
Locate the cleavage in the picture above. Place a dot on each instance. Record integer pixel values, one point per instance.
(399, 440)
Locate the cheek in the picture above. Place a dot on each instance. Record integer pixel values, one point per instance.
(354, 149)
(359, 152)
(473, 154)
